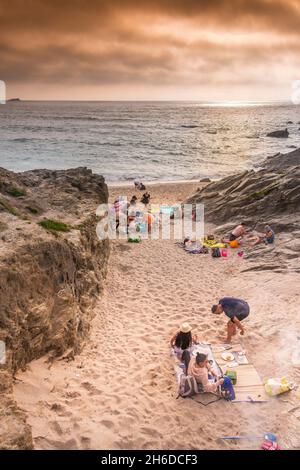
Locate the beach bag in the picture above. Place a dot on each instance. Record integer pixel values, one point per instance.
(215, 252)
(188, 386)
(224, 252)
(133, 239)
(275, 386)
(228, 388)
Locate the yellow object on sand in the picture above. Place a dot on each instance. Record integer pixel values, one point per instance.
(275, 386)
(214, 244)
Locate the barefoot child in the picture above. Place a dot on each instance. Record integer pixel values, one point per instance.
(236, 310)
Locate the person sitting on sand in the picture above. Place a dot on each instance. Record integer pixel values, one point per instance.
(200, 368)
(267, 238)
(238, 232)
(235, 309)
(146, 198)
(182, 342)
(133, 200)
(139, 185)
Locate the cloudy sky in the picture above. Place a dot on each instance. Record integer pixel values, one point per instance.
(150, 49)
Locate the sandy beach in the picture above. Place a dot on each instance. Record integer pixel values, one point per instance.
(120, 392)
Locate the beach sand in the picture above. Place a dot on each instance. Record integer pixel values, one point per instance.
(120, 392)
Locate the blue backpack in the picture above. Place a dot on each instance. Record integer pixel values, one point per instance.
(228, 388)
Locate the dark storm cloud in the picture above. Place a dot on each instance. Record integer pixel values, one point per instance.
(111, 42)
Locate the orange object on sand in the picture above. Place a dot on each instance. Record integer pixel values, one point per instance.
(234, 244)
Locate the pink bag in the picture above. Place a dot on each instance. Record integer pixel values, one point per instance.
(224, 252)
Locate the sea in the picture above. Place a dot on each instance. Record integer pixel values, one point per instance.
(149, 141)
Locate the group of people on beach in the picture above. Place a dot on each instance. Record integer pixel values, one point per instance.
(240, 230)
(183, 342)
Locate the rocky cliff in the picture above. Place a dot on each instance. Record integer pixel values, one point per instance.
(52, 268)
(271, 195)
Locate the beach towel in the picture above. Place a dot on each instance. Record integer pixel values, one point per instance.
(214, 245)
(249, 386)
(196, 251)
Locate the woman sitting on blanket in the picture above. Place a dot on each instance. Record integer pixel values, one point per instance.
(200, 368)
(182, 343)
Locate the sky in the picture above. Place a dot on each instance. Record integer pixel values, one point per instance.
(150, 49)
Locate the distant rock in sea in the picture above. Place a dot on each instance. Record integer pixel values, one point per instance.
(13, 100)
(205, 180)
(283, 133)
(189, 126)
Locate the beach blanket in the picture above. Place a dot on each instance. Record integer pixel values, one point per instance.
(194, 249)
(249, 386)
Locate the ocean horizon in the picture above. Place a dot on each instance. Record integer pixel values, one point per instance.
(149, 140)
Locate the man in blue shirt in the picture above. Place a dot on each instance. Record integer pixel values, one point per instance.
(236, 310)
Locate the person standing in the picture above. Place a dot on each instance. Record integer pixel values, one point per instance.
(236, 310)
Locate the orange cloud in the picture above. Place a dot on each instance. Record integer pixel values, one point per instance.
(153, 44)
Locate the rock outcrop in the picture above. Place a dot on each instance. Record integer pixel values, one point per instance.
(283, 134)
(268, 195)
(52, 269)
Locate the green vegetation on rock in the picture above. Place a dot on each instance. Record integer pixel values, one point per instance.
(55, 225)
(16, 192)
(8, 207)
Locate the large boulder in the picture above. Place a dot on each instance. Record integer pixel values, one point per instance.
(283, 133)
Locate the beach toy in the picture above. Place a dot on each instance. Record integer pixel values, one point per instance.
(240, 254)
(270, 442)
(234, 244)
(224, 252)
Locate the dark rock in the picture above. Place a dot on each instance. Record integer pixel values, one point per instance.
(189, 126)
(205, 180)
(282, 161)
(283, 134)
(271, 194)
(290, 122)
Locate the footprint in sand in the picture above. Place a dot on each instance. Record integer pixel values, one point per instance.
(91, 388)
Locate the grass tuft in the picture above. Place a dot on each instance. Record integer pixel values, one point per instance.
(55, 225)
